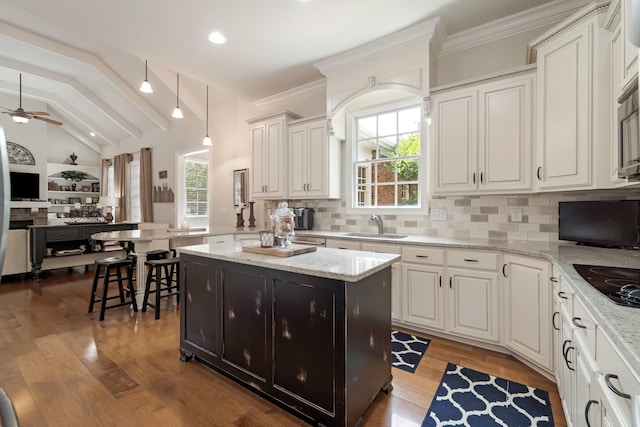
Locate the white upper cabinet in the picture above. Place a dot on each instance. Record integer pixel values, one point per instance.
(482, 137)
(573, 108)
(314, 161)
(629, 51)
(269, 151)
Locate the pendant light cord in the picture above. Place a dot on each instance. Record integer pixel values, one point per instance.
(207, 110)
(178, 90)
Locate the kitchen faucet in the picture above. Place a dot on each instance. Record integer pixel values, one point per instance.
(378, 220)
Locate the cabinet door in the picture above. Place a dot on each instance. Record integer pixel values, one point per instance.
(423, 296)
(16, 258)
(630, 52)
(274, 156)
(584, 390)
(568, 368)
(304, 367)
(528, 306)
(504, 134)
(244, 321)
(298, 160)
(258, 145)
(563, 110)
(473, 304)
(455, 141)
(318, 160)
(199, 307)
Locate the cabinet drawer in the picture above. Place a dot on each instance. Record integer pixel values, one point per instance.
(615, 373)
(585, 326)
(422, 255)
(473, 259)
(62, 234)
(343, 244)
(377, 247)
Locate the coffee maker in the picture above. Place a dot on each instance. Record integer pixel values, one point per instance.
(303, 218)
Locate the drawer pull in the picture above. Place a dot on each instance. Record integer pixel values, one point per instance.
(607, 380)
(470, 260)
(554, 279)
(504, 271)
(422, 256)
(586, 410)
(566, 355)
(576, 322)
(562, 295)
(553, 320)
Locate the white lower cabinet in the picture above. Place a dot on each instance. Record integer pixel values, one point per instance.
(457, 297)
(17, 257)
(423, 295)
(528, 308)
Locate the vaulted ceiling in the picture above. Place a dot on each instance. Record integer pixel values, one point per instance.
(85, 60)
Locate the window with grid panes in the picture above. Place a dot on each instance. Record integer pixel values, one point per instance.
(196, 178)
(387, 159)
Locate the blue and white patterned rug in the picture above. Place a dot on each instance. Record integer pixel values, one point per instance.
(407, 350)
(470, 398)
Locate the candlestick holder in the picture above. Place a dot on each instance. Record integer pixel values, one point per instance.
(240, 219)
(252, 219)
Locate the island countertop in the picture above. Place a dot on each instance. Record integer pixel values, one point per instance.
(339, 264)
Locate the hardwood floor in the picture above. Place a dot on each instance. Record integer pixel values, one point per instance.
(62, 367)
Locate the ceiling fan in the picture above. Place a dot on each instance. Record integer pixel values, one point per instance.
(21, 116)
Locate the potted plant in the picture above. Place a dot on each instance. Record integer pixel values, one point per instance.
(74, 176)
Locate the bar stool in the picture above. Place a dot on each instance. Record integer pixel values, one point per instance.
(151, 255)
(165, 285)
(110, 270)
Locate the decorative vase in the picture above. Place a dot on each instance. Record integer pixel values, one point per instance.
(73, 158)
(73, 186)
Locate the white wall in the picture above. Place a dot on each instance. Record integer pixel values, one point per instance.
(48, 143)
(488, 58)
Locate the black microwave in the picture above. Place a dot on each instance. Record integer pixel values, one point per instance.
(629, 135)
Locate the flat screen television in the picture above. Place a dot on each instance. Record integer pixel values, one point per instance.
(600, 223)
(24, 185)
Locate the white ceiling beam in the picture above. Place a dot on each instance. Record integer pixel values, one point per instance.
(92, 60)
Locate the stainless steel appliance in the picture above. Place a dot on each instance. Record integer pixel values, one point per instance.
(621, 285)
(629, 134)
(303, 218)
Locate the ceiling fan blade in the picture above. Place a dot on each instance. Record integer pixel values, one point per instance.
(44, 119)
(38, 113)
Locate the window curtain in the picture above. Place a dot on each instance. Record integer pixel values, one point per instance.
(120, 178)
(104, 178)
(146, 186)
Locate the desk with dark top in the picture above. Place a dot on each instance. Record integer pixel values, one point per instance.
(67, 237)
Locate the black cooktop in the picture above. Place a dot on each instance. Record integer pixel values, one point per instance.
(621, 285)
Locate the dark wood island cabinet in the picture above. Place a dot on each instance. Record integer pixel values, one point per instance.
(319, 346)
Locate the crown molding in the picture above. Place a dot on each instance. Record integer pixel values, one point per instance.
(301, 92)
(419, 32)
(537, 17)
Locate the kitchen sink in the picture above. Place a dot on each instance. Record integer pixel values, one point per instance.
(377, 236)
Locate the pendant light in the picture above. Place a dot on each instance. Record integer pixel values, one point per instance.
(177, 112)
(146, 86)
(207, 140)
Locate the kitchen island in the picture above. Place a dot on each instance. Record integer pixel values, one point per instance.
(310, 332)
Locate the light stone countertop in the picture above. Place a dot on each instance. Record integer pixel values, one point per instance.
(338, 264)
(621, 324)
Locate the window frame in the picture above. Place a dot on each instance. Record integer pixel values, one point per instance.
(351, 163)
(185, 188)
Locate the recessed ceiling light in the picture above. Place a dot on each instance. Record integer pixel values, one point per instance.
(217, 38)
(92, 133)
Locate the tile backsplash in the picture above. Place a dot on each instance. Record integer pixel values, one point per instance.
(467, 217)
